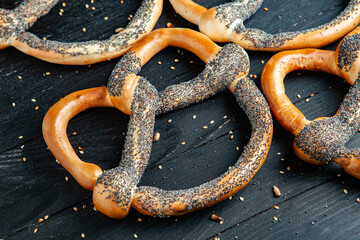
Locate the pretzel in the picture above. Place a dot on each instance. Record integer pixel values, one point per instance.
(224, 23)
(323, 139)
(116, 190)
(14, 23)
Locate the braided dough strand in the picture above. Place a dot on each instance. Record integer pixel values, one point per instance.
(323, 139)
(73, 53)
(224, 23)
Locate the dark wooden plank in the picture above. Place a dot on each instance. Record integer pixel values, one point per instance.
(35, 188)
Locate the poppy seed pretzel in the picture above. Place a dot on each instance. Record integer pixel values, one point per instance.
(14, 23)
(116, 190)
(224, 23)
(323, 139)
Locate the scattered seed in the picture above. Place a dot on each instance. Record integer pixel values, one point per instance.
(81, 152)
(84, 29)
(83, 235)
(169, 25)
(345, 191)
(24, 159)
(40, 220)
(159, 62)
(46, 217)
(20, 77)
(281, 172)
(282, 159)
(224, 117)
(298, 96)
(275, 218)
(183, 143)
(307, 100)
(230, 198)
(35, 230)
(73, 133)
(87, 6)
(139, 219)
(288, 168)
(37, 108)
(169, 121)
(212, 122)
(160, 167)
(176, 60)
(172, 68)
(221, 222)
(135, 235)
(191, 61)
(358, 200)
(241, 199)
(21, 137)
(156, 137)
(205, 127)
(106, 18)
(66, 178)
(276, 207)
(237, 148)
(216, 218)
(262, 62)
(194, 116)
(64, 4)
(93, 8)
(276, 191)
(75, 209)
(266, 9)
(13, 104)
(231, 137)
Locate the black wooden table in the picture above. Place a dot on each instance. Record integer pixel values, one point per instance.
(316, 202)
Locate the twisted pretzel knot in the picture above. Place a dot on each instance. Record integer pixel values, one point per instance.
(323, 139)
(224, 23)
(14, 23)
(116, 190)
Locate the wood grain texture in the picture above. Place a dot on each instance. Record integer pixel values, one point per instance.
(37, 187)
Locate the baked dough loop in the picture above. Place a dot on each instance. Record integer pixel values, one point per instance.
(323, 139)
(224, 23)
(14, 23)
(116, 190)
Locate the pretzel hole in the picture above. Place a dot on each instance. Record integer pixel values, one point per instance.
(104, 143)
(189, 165)
(276, 19)
(54, 24)
(315, 94)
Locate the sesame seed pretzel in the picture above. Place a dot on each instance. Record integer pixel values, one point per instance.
(224, 23)
(323, 139)
(116, 190)
(14, 23)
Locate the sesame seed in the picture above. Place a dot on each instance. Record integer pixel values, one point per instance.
(84, 29)
(106, 18)
(298, 96)
(183, 143)
(345, 191)
(73, 133)
(93, 8)
(191, 61)
(231, 136)
(230, 198)
(83, 235)
(135, 235)
(156, 137)
(262, 62)
(75, 209)
(172, 68)
(242, 199)
(237, 148)
(278, 153)
(139, 219)
(40, 220)
(33, 100)
(266, 9)
(160, 167)
(64, 4)
(176, 60)
(20, 77)
(205, 127)
(194, 116)
(169, 25)
(225, 117)
(35, 230)
(358, 200)
(21, 137)
(118, 30)
(276, 207)
(307, 100)
(66, 178)
(276, 191)
(288, 168)
(169, 121)
(212, 122)
(46, 217)
(37, 108)
(81, 152)
(24, 159)
(87, 6)
(13, 104)
(281, 172)
(275, 218)
(159, 62)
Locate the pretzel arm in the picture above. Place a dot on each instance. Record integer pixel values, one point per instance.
(31, 10)
(157, 202)
(272, 82)
(89, 52)
(114, 189)
(54, 131)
